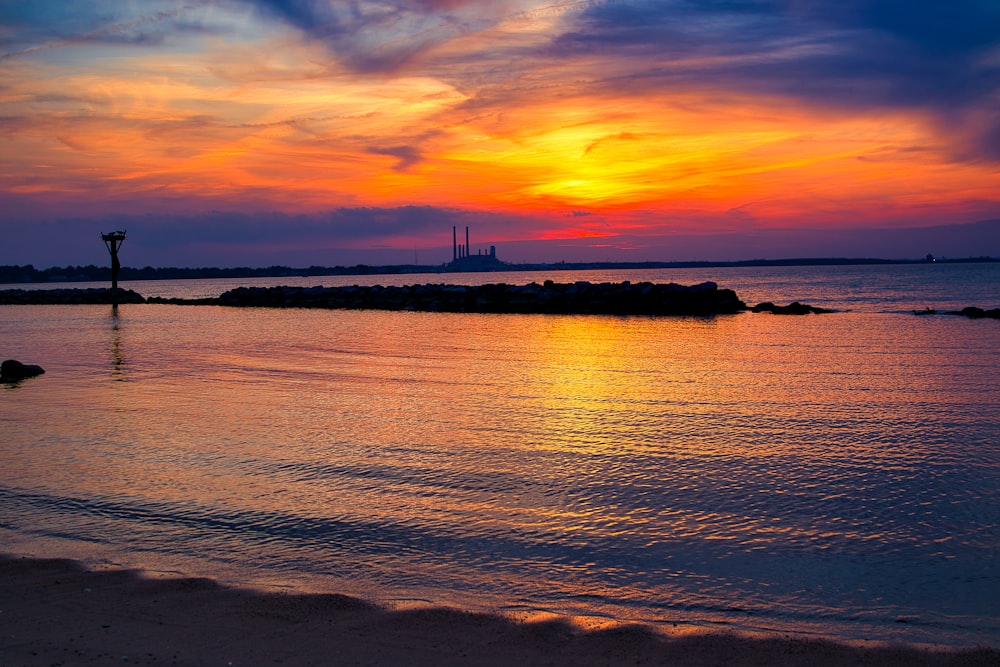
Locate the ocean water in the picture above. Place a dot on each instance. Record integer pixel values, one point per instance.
(836, 475)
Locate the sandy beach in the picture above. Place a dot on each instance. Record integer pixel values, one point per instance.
(57, 612)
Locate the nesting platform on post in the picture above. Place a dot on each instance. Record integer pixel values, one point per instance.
(113, 241)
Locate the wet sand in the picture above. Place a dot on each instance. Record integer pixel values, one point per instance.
(56, 612)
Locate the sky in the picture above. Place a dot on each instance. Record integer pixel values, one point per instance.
(313, 132)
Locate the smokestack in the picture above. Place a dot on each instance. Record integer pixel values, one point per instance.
(454, 243)
(466, 241)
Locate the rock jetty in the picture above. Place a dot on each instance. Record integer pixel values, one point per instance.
(583, 297)
(59, 296)
(577, 298)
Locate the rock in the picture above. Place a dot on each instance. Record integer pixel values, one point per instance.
(68, 296)
(12, 370)
(977, 313)
(794, 308)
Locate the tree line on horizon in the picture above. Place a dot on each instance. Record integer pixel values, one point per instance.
(10, 274)
(93, 273)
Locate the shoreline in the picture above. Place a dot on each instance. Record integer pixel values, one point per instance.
(14, 274)
(56, 611)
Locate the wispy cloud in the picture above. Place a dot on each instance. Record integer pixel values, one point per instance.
(858, 56)
(39, 27)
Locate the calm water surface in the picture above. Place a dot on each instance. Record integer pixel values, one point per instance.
(834, 474)
(888, 288)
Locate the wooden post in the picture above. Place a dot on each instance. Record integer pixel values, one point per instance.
(113, 241)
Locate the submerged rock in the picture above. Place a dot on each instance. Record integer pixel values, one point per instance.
(794, 308)
(977, 313)
(13, 370)
(61, 296)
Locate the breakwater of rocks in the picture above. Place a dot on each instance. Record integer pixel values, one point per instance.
(579, 298)
(67, 296)
(623, 298)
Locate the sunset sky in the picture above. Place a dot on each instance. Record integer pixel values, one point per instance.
(299, 132)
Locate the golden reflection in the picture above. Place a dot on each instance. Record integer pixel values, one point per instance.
(588, 394)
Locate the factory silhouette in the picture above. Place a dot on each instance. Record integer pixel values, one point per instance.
(462, 258)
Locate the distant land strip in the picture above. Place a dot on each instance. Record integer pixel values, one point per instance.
(578, 298)
(10, 274)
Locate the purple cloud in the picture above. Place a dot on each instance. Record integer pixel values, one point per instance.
(857, 55)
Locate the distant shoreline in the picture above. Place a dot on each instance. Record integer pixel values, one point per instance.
(27, 274)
